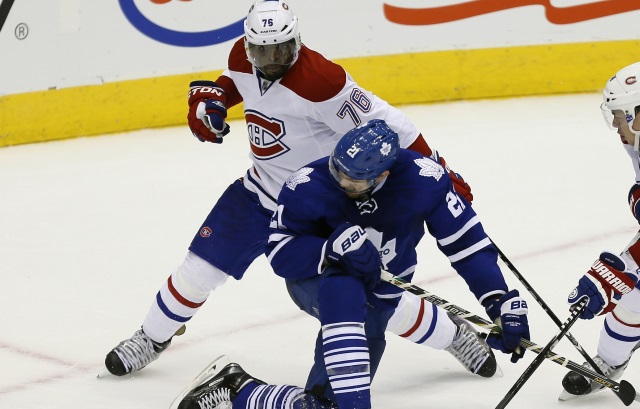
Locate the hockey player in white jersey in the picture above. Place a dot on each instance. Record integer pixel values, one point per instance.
(611, 283)
(339, 221)
(297, 104)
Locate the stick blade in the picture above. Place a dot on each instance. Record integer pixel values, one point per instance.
(627, 393)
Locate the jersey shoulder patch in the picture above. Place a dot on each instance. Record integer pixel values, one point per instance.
(238, 58)
(313, 77)
(429, 168)
(298, 177)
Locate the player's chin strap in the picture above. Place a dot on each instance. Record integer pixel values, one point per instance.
(626, 392)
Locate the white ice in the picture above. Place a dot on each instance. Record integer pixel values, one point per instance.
(91, 227)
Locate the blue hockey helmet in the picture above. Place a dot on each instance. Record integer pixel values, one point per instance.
(364, 153)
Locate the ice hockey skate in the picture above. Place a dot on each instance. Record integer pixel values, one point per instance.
(576, 385)
(215, 387)
(135, 353)
(472, 350)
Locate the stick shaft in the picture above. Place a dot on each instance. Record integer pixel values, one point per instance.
(548, 310)
(564, 328)
(481, 322)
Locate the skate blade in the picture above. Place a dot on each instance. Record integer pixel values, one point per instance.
(565, 396)
(209, 371)
(106, 374)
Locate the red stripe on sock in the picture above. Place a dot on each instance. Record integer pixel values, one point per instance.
(418, 321)
(180, 298)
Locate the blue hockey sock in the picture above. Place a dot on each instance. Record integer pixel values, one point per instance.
(346, 354)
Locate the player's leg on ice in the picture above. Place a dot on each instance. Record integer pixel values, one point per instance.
(225, 385)
(619, 338)
(340, 303)
(427, 324)
(232, 236)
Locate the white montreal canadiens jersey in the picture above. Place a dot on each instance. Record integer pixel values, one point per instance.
(300, 118)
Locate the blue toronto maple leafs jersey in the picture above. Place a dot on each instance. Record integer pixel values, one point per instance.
(417, 193)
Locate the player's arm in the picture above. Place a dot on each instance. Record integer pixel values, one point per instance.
(461, 237)
(209, 100)
(294, 253)
(297, 237)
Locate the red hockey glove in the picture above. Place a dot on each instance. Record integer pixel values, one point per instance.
(603, 284)
(207, 111)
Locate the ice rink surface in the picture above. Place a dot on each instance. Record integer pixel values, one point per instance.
(91, 227)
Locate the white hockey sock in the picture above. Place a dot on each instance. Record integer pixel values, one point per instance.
(617, 339)
(181, 296)
(422, 322)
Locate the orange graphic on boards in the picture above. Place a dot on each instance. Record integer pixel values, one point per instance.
(555, 15)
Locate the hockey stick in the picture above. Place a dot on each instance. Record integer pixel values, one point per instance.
(5, 7)
(548, 310)
(564, 328)
(626, 391)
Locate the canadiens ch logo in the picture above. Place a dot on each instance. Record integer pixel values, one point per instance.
(265, 135)
(205, 232)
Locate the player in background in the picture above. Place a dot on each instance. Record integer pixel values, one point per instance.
(611, 282)
(339, 221)
(297, 104)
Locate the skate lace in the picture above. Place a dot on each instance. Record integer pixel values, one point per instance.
(136, 352)
(216, 399)
(467, 349)
(613, 372)
(604, 367)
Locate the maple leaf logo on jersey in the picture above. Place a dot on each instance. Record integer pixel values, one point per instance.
(300, 176)
(388, 251)
(429, 168)
(265, 135)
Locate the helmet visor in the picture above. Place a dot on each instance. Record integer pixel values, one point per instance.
(262, 55)
(354, 188)
(616, 117)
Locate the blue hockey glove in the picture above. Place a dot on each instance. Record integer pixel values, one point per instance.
(207, 111)
(349, 247)
(604, 284)
(511, 310)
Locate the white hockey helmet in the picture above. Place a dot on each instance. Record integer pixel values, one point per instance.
(622, 96)
(272, 39)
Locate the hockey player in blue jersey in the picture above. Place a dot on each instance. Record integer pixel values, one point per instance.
(339, 221)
